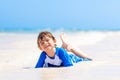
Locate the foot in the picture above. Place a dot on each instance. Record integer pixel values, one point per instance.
(65, 43)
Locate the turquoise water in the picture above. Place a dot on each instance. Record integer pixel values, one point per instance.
(37, 29)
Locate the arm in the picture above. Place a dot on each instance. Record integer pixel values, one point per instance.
(64, 56)
(41, 59)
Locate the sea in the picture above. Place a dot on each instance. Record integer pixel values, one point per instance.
(55, 28)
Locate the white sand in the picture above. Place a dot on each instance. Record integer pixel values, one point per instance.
(19, 54)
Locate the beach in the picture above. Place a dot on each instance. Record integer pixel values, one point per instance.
(19, 54)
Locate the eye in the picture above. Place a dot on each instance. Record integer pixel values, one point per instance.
(41, 43)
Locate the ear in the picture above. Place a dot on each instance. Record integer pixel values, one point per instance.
(55, 40)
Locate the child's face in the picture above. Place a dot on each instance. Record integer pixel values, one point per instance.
(47, 44)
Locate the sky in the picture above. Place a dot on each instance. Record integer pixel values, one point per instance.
(90, 14)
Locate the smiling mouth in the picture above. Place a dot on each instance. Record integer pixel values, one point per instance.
(47, 46)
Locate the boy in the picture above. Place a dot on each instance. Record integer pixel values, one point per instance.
(53, 56)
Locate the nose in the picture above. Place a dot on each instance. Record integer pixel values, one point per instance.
(45, 43)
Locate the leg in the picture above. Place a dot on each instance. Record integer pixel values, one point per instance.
(68, 47)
